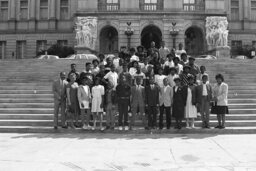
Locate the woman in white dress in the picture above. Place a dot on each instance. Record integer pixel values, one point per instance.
(190, 108)
(97, 102)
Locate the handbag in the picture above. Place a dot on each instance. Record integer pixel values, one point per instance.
(214, 108)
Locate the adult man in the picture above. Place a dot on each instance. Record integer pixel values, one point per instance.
(123, 93)
(165, 102)
(163, 51)
(73, 70)
(59, 91)
(112, 76)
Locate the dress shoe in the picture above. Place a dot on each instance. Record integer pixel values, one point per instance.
(55, 127)
(218, 127)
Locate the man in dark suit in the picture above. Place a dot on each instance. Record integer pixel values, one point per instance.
(137, 101)
(203, 99)
(59, 91)
(152, 102)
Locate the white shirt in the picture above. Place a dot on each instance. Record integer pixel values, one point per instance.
(163, 52)
(132, 71)
(112, 77)
(204, 90)
(159, 80)
(179, 52)
(134, 58)
(179, 67)
(168, 63)
(170, 79)
(116, 62)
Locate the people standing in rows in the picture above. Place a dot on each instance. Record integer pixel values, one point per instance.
(165, 103)
(220, 97)
(204, 97)
(152, 102)
(59, 91)
(84, 99)
(138, 101)
(123, 93)
(72, 101)
(179, 102)
(190, 108)
(98, 92)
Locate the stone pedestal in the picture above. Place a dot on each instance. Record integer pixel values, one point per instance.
(83, 50)
(221, 52)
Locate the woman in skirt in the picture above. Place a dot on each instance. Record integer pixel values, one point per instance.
(220, 97)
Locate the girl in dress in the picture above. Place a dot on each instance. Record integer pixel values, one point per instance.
(97, 102)
(190, 109)
(73, 105)
(84, 98)
(179, 102)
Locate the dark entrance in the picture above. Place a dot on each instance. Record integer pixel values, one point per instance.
(108, 40)
(149, 34)
(194, 42)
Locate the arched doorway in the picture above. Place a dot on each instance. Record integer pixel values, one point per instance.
(149, 34)
(194, 41)
(108, 40)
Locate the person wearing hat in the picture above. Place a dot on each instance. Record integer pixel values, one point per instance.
(179, 102)
(178, 66)
(190, 108)
(172, 73)
(194, 69)
(184, 76)
(163, 52)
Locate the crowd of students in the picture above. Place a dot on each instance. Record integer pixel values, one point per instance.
(139, 85)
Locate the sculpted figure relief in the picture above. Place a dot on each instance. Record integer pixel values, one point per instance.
(86, 32)
(216, 31)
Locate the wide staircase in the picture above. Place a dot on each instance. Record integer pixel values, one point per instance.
(26, 99)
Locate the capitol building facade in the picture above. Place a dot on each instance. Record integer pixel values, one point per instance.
(29, 26)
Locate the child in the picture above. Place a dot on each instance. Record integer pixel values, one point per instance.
(179, 102)
(166, 95)
(190, 109)
(203, 98)
(84, 98)
(152, 102)
(137, 101)
(73, 105)
(97, 102)
(110, 106)
(200, 75)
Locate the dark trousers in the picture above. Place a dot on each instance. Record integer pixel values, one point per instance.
(168, 116)
(123, 112)
(152, 111)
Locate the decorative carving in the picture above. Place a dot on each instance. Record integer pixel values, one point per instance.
(86, 32)
(216, 31)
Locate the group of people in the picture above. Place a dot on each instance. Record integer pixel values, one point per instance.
(139, 85)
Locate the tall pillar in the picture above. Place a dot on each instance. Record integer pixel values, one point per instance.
(12, 15)
(52, 18)
(32, 15)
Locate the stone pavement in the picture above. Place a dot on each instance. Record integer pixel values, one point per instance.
(127, 152)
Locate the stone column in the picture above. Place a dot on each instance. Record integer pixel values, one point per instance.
(32, 15)
(52, 17)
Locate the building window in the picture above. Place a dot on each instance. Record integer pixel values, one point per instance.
(234, 9)
(4, 10)
(20, 49)
(41, 45)
(253, 10)
(193, 5)
(151, 5)
(62, 42)
(43, 9)
(108, 5)
(64, 6)
(2, 49)
(23, 9)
